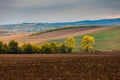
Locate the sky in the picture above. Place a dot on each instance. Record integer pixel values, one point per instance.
(20, 11)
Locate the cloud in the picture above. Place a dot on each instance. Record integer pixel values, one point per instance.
(23, 6)
(36, 3)
(114, 16)
(56, 10)
(107, 3)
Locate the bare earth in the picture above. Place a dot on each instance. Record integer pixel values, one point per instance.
(77, 66)
(25, 37)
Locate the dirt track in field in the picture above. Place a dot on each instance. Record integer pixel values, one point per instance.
(94, 66)
(23, 38)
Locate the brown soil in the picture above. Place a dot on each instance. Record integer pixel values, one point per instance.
(92, 66)
(23, 38)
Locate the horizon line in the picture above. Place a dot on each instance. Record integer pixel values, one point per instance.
(57, 21)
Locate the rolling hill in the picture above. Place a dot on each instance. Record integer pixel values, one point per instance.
(107, 39)
(39, 38)
(34, 27)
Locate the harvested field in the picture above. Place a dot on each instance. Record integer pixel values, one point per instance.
(24, 38)
(92, 66)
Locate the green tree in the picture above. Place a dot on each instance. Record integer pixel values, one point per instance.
(13, 47)
(1, 47)
(27, 48)
(54, 47)
(5, 48)
(63, 48)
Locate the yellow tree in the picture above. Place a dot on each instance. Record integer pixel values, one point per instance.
(47, 48)
(70, 43)
(87, 43)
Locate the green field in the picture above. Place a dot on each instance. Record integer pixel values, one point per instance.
(105, 40)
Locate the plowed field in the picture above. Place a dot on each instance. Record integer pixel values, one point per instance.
(92, 66)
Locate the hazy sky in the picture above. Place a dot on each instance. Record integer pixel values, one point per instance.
(18, 11)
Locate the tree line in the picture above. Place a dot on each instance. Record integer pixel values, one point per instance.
(66, 46)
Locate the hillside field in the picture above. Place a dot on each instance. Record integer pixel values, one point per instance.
(108, 39)
(36, 39)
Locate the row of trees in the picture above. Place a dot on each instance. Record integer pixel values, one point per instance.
(48, 47)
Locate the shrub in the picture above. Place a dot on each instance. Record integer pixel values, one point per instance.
(87, 43)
